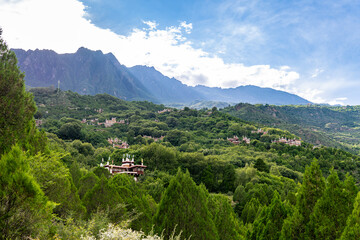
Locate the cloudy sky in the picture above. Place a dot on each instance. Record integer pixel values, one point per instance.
(310, 48)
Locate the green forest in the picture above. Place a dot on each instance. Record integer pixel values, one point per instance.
(209, 175)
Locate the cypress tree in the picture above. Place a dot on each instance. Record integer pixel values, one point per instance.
(269, 223)
(352, 229)
(330, 213)
(226, 222)
(184, 206)
(310, 191)
(17, 107)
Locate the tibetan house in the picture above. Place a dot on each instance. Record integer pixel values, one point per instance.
(128, 167)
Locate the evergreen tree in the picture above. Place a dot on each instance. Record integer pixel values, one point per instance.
(184, 206)
(224, 217)
(251, 210)
(269, 223)
(24, 209)
(17, 107)
(330, 213)
(352, 229)
(56, 182)
(104, 197)
(310, 191)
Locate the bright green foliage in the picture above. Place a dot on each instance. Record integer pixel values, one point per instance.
(24, 209)
(56, 182)
(330, 213)
(86, 183)
(104, 197)
(136, 200)
(352, 229)
(251, 210)
(224, 217)
(17, 107)
(310, 191)
(157, 156)
(185, 206)
(269, 223)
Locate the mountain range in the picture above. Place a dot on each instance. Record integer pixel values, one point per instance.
(92, 72)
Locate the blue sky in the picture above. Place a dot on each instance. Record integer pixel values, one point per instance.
(310, 48)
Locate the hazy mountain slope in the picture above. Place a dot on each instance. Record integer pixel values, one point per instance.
(166, 90)
(250, 94)
(85, 72)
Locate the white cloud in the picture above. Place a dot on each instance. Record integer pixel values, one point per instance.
(60, 25)
(152, 24)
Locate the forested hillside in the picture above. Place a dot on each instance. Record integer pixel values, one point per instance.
(320, 125)
(201, 181)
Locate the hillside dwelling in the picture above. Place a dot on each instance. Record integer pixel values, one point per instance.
(291, 142)
(234, 140)
(38, 122)
(260, 131)
(164, 111)
(109, 123)
(246, 140)
(118, 143)
(127, 167)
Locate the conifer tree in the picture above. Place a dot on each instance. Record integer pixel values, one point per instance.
(269, 223)
(24, 209)
(184, 206)
(226, 222)
(310, 191)
(17, 107)
(330, 213)
(352, 229)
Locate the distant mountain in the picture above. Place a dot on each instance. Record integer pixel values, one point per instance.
(92, 72)
(86, 72)
(165, 89)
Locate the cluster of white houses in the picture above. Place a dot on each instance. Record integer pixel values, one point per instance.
(127, 167)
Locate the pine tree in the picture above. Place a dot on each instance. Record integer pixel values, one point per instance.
(330, 213)
(184, 206)
(17, 107)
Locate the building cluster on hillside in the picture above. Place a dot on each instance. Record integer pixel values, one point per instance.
(109, 123)
(118, 143)
(164, 111)
(260, 131)
(128, 166)
(90, 121)
(154, 138)
(236, 140)
(291, 142)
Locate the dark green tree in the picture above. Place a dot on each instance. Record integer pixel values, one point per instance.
(309, 193)
(330, 213)
(17, 107)
(224, 217)
(261, 165)
(269, 223)
(352, 229)
(184, 206)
